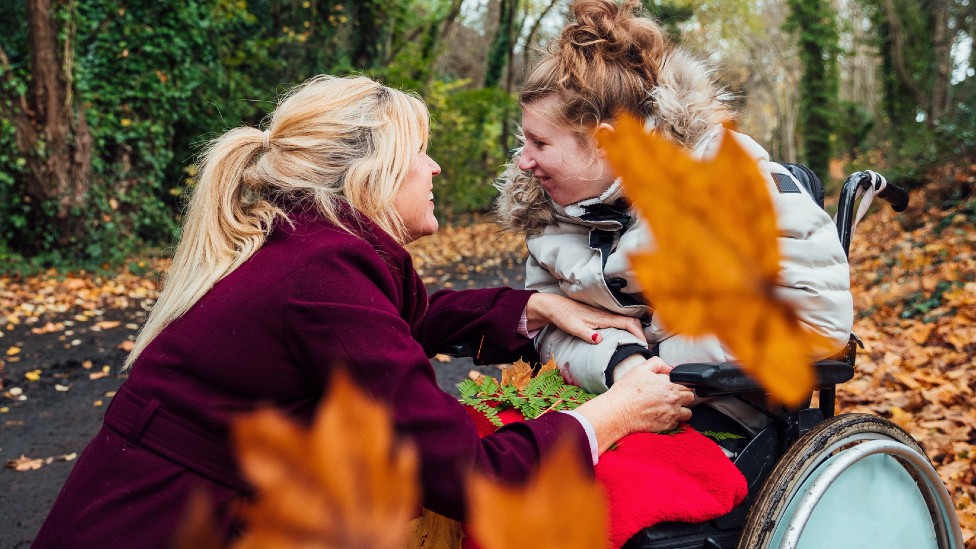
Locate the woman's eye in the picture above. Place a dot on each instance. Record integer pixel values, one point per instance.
(538, 144)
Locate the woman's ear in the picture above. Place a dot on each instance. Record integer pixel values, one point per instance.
(603, 127)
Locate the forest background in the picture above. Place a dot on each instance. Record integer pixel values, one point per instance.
(104, 103)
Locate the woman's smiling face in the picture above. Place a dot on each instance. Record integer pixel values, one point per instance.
(415, 199)
(568, 170)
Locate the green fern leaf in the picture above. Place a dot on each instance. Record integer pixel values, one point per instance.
(718, 435)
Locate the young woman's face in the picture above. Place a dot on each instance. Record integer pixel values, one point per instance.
(415, 200)
(568, 170)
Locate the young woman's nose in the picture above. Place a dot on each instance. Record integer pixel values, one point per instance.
(526, 162)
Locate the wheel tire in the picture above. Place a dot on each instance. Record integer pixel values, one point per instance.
(805, 455)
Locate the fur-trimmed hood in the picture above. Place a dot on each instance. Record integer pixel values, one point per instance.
(688, 103)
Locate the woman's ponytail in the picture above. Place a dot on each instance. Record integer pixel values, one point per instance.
(227, 220)
(331, 144)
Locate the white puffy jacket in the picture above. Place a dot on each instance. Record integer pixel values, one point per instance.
(814, 275)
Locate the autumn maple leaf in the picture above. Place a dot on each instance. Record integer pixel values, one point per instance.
(716, 261)
(346, 482)
(560, 507)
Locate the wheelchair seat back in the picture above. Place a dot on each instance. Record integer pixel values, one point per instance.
(809, 180)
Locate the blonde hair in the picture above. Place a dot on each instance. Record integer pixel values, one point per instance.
(330, 141)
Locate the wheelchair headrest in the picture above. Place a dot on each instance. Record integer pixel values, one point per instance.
(809, 180)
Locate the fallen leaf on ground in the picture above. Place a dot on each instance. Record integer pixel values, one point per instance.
(24, 463)
(518, 374)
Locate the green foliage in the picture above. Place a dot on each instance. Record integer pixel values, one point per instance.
(467, 127)
(853, 127)
(907, 136)
(147, 75)
(920, 304)
(546, 391)
(156, 79)
(719, 435)
(814, 22)
(670, 15)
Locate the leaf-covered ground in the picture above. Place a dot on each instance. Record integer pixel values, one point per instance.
(914, 280)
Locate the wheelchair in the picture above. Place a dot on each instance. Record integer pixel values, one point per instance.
(816, 479)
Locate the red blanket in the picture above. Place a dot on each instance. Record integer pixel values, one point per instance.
(650, 478)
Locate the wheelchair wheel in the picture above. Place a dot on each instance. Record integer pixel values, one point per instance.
(855, 480)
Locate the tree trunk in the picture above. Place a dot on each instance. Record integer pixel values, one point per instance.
(501, 48)
(51, 131)
(897, 38)
(942, 46)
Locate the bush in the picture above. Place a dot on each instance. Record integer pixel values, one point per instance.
(467, 135)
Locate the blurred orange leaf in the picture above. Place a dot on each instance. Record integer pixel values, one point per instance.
(716, 259)
(345, 482)
(560, 507)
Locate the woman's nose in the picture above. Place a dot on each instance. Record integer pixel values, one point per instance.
(526, 162)
(435, 168)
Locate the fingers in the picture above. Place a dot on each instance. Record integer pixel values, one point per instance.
(632, 325)
(581, 330)
(579, 319)
(658, 366)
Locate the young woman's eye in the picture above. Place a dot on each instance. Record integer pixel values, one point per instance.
(538, 144)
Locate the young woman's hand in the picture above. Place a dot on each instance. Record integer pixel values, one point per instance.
(576, 318)
(642, 400)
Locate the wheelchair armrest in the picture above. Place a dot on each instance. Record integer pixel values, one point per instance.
(724, 378)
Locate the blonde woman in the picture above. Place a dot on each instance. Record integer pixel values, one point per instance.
(291, 262)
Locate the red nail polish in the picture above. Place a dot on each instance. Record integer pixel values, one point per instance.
(595, 338)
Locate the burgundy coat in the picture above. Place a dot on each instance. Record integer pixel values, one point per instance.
(312, 297)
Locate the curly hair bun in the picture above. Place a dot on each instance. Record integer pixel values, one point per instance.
(612, 35)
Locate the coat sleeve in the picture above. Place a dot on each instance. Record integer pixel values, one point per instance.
(581, 363)
(485, 318)
(344, 313)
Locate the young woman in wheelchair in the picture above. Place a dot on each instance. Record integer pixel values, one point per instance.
(560, 191)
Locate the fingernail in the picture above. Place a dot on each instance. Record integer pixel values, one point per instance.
(596, 338)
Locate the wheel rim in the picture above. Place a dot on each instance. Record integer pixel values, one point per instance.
(827, 439)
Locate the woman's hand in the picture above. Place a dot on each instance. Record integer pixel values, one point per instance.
(642, 400)
(576, 318)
